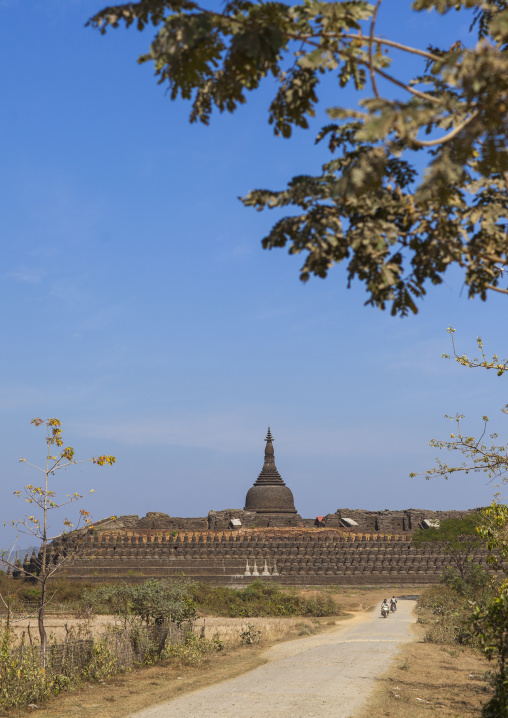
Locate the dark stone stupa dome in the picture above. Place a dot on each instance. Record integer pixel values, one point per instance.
(269, 493)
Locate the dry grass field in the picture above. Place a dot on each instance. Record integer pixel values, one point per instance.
(431, 679)
(447, 681)
(348, 599)
(228, 630)
(126, 693)
(58, 627)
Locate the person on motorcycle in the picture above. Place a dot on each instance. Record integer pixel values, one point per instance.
(384, 606)
(393, 603)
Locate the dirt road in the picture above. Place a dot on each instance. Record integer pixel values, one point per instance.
(316, 677)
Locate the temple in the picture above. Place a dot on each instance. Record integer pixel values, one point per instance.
(270, 495)
(267, 540)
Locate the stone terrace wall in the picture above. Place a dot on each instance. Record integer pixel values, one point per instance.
(287, 556)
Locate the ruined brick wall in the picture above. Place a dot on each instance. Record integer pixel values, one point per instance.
(406, 521)
(215, 521)
(399, 522)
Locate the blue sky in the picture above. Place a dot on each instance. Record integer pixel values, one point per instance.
(138, 307)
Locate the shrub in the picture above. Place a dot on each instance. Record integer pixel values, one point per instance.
(192, 650)
(152, 602)
(250, 635)
(21, 679)
(260, 599)
(491, 623)
(447, 609)
(476, 584)
(30, 593)
(102, 664)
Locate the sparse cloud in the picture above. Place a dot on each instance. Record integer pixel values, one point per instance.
(101, 319)
(220, 433)
(30, 276)
(43, 252)
(423, 357)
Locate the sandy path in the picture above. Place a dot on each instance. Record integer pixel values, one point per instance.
(315, 677)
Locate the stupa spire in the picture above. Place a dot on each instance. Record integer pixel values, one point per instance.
(269, 494)
(269, 473)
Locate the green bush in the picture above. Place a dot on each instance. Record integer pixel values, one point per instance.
(192, 650)
(476, 585)
(491, 623)
(102, 664)
(62, 590)
(250, 636)
(23, 679)
(259, 599)
(152, 602)
(447, 609)
(30, 593)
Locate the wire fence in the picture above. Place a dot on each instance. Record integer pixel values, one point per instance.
(31, 608)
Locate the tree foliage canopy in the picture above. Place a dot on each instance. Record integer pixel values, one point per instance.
(396, 230)
(459, 538)
(152, 602)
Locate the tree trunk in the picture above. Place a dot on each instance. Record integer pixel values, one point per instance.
(42, 629)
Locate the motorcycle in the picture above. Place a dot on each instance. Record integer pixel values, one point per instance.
(393, 607)
(384, 611)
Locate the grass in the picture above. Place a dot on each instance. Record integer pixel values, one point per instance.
(229, 630)
(202, 649)
(443, 672)
(429, 678)
(448, 680)
(123, 695)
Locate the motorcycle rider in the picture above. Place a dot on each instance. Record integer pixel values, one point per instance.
(393, 603)
(384, 606)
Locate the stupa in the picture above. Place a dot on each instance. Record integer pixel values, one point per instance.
(269, 494)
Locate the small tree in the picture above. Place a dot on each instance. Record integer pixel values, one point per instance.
(490, 622)
(42, 498)
(458, 538)
(480, 456)
(151, 603)
(491, 626)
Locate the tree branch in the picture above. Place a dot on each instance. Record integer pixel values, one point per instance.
(403, 85)
(349, 36)
(371, 36)
(450, 135)
(24, 461)
(343, 53)
(496, 289)
(397, 46)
